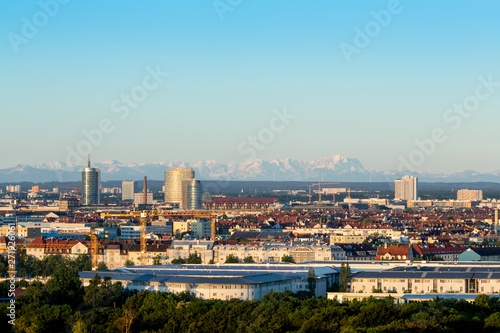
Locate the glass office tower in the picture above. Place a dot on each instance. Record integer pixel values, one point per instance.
(91, 189)
(173, 184)
(192, 194)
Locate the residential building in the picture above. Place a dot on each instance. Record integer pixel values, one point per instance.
(269, 252)
(13, 188)
(241, 203)
(470, 195)
(340, 238)
(139, 198)
(134, 231)
(68, 204)
(406, 188)
(358, 252)
(445, 251)
(425, 281)
(480, 254)
(184, 248)
(128, 190)
(394, 252)
(201, 228)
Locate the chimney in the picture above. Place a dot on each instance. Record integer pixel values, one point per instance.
(145, 190)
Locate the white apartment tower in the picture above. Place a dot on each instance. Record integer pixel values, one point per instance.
(406, 188)
(128, 187)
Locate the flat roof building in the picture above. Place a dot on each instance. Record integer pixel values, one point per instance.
(223, 282)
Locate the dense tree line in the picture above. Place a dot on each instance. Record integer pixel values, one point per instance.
(63, 305)
(29, 266)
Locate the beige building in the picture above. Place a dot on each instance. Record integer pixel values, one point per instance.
(470, 195)
(275, 252)
(406, 188)
(22, 231)
(435, 281)
(344, 239)
(182, 249)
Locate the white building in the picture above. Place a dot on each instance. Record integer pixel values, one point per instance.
(406, 188)
(275, 252)
(139, 198)
(128, 188)
(224, 282)
(471, 195)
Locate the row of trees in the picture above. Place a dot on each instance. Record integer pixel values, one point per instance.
(29, 266)
(63, 305)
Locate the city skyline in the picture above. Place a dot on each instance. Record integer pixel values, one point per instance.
(384, 82)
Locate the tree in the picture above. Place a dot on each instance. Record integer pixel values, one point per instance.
(64, 287)
(129, 263)
(248, 260)
(157, 260)
(193, 259)
(211, 262)
(102, 266)
(286, 258)
(231, 259)
(81, 263)
(311, 280)
(101, 292)
(178, 261)
(344, 277)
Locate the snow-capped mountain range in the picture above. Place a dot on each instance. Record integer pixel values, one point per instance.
(335, 168)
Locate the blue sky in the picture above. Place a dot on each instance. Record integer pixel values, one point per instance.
(226, 77)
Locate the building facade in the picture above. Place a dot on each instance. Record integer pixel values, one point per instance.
(406, 188)
(128, 190)
(472, 195)
(173, 184)
(91, 183)
(192, 193)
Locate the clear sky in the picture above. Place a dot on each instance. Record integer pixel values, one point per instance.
(233, 64)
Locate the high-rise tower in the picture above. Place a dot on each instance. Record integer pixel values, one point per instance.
(91, 180)
(173, 184)
(128, 190)
(406, 188)
(192, 193)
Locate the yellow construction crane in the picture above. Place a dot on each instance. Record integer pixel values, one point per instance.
(144, 244)
(94, 249)
(319, 184)
(308, 195)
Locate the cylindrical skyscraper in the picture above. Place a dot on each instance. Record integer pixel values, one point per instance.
(173, 184)
(192, 195)
(91, 179)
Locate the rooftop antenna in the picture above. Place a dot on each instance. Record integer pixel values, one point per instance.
(88, 162)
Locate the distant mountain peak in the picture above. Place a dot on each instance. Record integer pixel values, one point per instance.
(337, 167)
